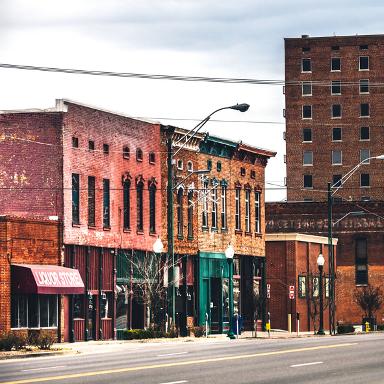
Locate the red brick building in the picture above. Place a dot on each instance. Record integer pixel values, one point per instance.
(33, 285)
(100, 175)
(292, 262)
(333, 112)
(333, 124)
(359, 248)
(212, 210)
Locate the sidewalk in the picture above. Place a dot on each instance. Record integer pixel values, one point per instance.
(106, 346)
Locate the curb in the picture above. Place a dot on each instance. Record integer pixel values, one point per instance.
(26, 354)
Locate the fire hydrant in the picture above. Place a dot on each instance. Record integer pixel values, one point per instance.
(367, 328)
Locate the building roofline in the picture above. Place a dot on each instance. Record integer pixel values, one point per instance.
(61, 106)
(256, 150)
(305, 37)
(299, 237)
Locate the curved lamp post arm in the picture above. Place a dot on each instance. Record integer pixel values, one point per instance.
(351, 172)
(192, 133)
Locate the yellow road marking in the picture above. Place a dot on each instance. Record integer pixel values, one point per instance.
(175, 364)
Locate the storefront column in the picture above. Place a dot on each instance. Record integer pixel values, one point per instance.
(264, 291)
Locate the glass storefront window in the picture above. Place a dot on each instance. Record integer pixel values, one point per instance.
(44, 311)
(52, 314)
(33, 311)
(33, 306)
(23, 311)
(225, 300)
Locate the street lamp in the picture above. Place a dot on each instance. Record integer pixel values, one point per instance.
(158, 246)
(229, 253)
(182, 142)
(320, 264)
(332, 189)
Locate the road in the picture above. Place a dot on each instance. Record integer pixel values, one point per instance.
(338, 359)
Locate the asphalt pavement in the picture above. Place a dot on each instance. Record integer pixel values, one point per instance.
(327, 359)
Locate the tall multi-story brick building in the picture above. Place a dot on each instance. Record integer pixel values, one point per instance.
(334, 113)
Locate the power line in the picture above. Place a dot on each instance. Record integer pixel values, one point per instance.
(142, 75)
(225, 80)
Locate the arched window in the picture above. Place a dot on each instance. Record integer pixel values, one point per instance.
(190, 166)
(180, 212)
(190, 214)
(140, 205)
(127, 204)
(152, 158)
(152, 206)
(126, 152)
(139, 154)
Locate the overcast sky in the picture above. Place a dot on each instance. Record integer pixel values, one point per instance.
(213, 38)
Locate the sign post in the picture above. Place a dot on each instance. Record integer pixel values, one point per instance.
(291, 295)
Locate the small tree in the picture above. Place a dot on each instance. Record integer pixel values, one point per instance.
(370, 299)
(147, 271)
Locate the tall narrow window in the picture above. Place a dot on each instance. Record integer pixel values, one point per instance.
(361, 262)
(335, 64)
(127, 204)
(214, 207)
(91, 201)
(180, 220)
(75, 198)
(237, 210)
(223, 206)
(205, 203)
(364, 86)
(257, 212)
(152, 208)
(306, 65)
(106, 204)
(247, 210)
(139, 210)
(190, 214)
(306, 88)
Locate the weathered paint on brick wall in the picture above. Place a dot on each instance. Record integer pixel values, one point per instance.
(116, 131)
(31, 164)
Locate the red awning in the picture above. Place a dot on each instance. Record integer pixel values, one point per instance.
(46, 279)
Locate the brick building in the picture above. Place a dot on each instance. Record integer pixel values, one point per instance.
(99, 174)
(360, 244)
(224, 206)
(33, 285)
(292, 262)
(334, 115)
(333, 126)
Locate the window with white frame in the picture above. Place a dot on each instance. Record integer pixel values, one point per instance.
(306, 65)
(223, 206)
(336, 134)
(335, 64)
(365, 154)
(237, 209)
(364, 110)
(364, 63)
(364, 180)
(307, 135)
(336, 87)
(214, 207)
(337, 157)
(336, 111)
(205, 204)
(307, 112)
(364, 86)
(306, 88)
(364, 133)
(257, 212)
(247, 210)
(307, 158)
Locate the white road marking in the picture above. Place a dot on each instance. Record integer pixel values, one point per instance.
(176, 382)
(305, 364)
(173, 354)
(42, 369)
